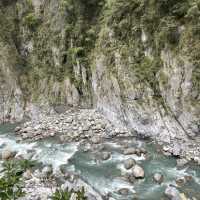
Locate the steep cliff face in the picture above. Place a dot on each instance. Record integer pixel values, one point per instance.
(136, 61)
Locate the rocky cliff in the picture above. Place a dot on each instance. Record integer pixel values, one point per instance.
(136, 61)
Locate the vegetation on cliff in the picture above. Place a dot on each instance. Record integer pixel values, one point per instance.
(56, 45)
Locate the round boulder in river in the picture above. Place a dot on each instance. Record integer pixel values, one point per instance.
(158, 178)
(105, 155)
(123, 191)
(129, 163)
(138, 171)
(172, 193)
(130, 151)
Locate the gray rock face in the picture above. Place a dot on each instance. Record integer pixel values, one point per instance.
(128, 164)
(172, 193)
(138, 171)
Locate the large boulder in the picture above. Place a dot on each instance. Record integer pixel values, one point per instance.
(129, 163)
(138, 171)
(172, 193)
(130, 151)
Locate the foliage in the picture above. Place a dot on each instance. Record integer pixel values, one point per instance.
(66, 195)
(10, 182)
(31, 21)
(62, 195)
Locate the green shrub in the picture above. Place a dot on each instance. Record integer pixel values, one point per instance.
(10, 183)
(66, 195)
(31, 21)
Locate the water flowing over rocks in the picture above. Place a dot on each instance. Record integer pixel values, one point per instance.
(97, 145)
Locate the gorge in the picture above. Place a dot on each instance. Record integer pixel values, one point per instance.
(104, 71)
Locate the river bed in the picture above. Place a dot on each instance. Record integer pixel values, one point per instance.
(107, 176)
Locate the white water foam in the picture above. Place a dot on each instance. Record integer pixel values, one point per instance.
(47, 153)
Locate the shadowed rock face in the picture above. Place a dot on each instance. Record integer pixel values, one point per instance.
(48, 58)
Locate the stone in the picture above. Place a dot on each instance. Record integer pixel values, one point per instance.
(180, 181)
(181, 162)
(188, 178)
(47, 170)
(176, 151)
(129, 177)
(172, 193)
(27, 175)
(197, 160)
(158, 178)
(52, 134)
(129, 163)
(105, 155)
(6, 154)
(138, 171)
(123, 191)
(166, 149)
(143, 150)
(2, 145)
(129, 151)
(138, 152)
(96, 140)
(17, 129)
(27, 129)
(37, 174)
(68, 120)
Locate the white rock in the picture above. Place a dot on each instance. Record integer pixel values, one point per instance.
(138, 171)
